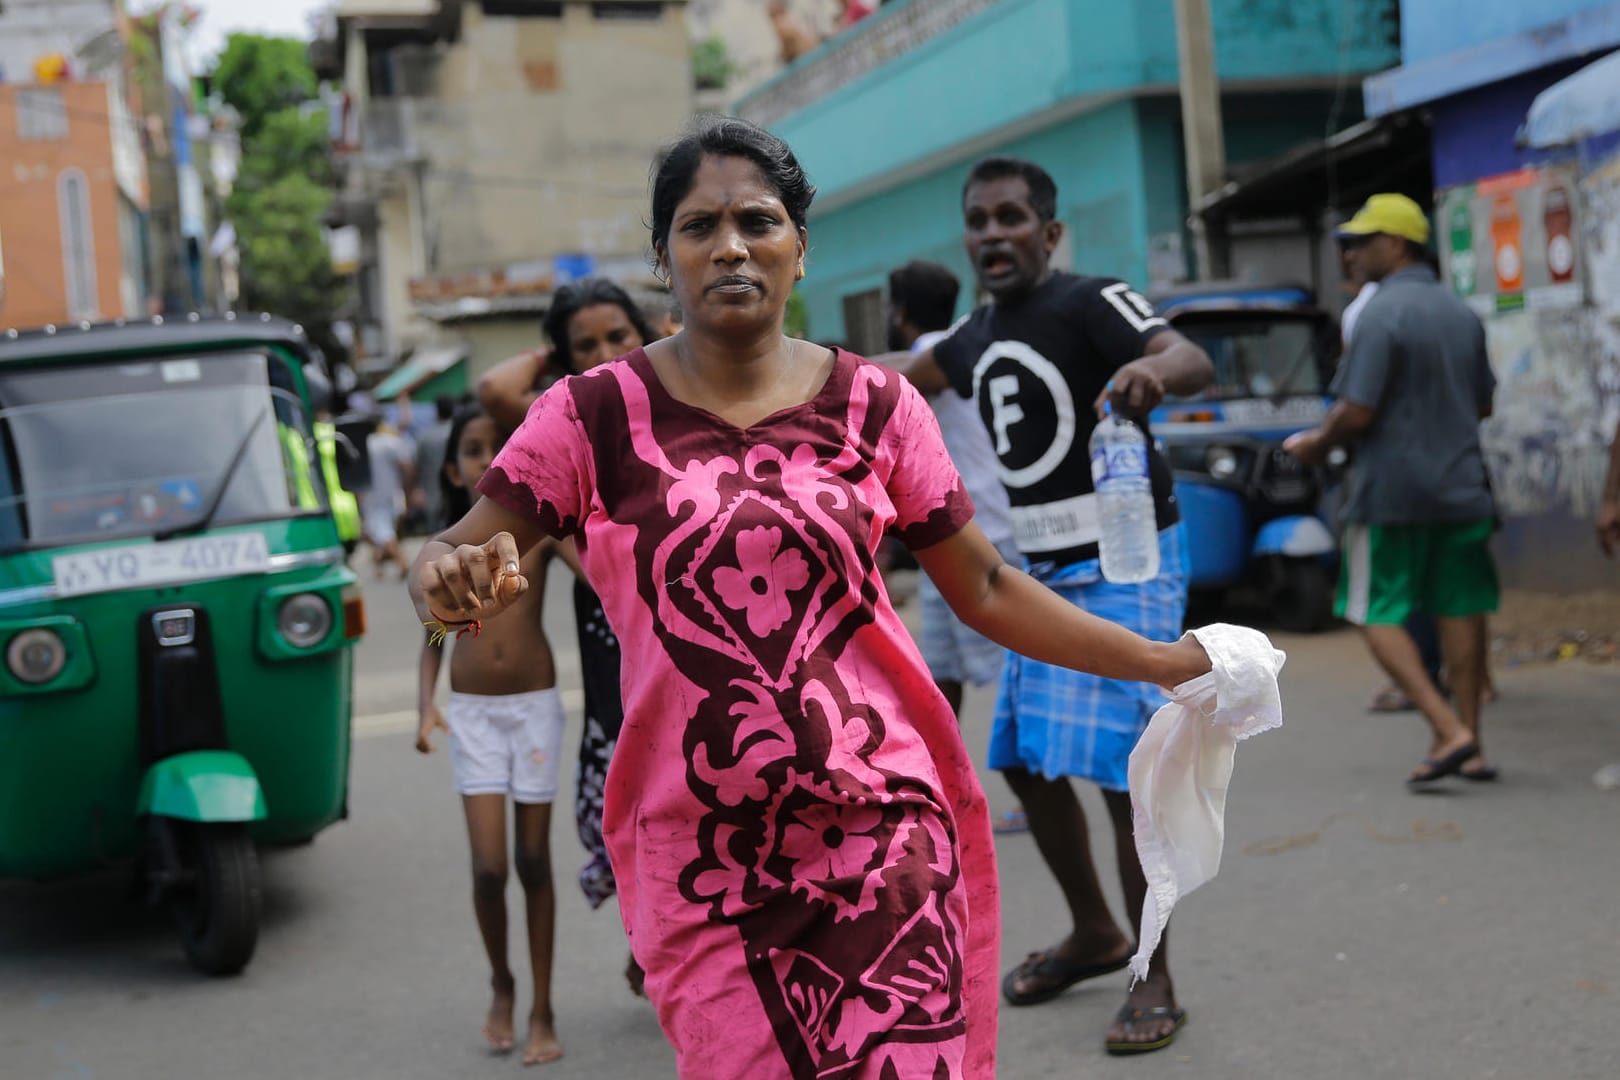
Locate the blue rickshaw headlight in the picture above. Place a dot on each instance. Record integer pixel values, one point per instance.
(304, 620)
(36, 656)
(1221, 462)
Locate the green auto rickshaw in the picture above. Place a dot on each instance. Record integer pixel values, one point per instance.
(177, 621)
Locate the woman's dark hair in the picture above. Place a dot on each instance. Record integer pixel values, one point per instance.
(727, 136)
(1042, 188)
(571, 299)
(455, 499)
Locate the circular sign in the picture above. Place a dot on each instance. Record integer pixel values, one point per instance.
(1004, 413)
(1508, 263)
(1560, 255)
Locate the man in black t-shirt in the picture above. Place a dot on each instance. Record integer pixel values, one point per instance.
(1040, 361)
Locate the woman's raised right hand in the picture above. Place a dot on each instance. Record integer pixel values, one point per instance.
(471, 581)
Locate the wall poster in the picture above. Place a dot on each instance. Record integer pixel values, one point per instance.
(1509, 242)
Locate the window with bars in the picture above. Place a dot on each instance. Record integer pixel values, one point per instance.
(78, 244)
(41, 114)
(865, 331)
(627, 9)
(534, 9)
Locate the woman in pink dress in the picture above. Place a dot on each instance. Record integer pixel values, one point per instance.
(802, 849)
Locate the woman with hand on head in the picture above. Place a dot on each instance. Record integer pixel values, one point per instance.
(802, 850)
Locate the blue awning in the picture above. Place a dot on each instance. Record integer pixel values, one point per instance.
(1579, 107)
(1588, 33)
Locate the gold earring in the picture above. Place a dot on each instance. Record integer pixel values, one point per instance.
(800, 275)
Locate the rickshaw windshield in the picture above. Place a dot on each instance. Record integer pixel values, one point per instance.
(1266, 356)
(102, 451)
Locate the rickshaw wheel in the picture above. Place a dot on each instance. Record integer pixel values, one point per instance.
(1301, 595)
(218, 917)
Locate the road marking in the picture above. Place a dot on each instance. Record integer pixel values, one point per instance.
(404, 721)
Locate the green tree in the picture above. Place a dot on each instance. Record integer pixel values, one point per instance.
(291, 140)
(281, 195)
(259, 76)
(286, 266)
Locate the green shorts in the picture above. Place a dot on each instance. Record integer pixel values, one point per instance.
(1391, 571)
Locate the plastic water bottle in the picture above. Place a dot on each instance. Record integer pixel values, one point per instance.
(1129, 543)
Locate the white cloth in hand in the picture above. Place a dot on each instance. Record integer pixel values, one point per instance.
(1180, 769)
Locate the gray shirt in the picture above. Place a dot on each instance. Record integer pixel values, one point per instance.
(1417, 359)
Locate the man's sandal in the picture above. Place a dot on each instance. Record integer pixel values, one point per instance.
(1129, 1017)
(1057, 974)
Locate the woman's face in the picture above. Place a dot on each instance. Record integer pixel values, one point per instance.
(599, 333)
(732, 253)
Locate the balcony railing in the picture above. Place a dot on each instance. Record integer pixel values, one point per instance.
(388, 134)
(867, 46)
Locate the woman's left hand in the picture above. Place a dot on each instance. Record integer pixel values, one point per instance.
(1182, 660)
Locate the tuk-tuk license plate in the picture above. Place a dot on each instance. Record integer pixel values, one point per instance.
(136, 566)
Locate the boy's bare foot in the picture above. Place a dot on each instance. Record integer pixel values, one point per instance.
(498, 1030)
(543, 1044)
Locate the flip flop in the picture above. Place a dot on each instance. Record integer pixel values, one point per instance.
(1013, 821)
(1479, 776)
(1440, 768)
(1129, 1017)
(1391, 699)
(1063, 973)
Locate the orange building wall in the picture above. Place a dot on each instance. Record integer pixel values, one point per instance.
(30, 219)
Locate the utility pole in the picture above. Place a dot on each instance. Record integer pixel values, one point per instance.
(1202, 136)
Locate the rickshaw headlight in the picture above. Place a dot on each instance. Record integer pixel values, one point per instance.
(1221, 462)
(304, 620)
(36, 656)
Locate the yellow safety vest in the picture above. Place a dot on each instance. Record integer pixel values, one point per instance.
(345, 507)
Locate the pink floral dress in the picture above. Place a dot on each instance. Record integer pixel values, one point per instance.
(802, 849)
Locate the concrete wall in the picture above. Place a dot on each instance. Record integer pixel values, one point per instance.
(541, 134)
(1431, 28)
(492, 340)
(1096, 160)
(1032, 63)
(30, 217)
(1121, 191)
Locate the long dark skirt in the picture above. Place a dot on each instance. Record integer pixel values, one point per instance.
(604, 716)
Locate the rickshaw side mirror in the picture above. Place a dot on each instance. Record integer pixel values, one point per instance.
(319, 388)
(354, 464)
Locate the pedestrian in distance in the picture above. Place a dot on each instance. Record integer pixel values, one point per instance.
(1041, 362)
(505, 725)
(589, 323)
(802, 849)
(1608, 519)
(922, 305)
(430, 453)
(1412, 390)
(1420, 624)
(383, 503)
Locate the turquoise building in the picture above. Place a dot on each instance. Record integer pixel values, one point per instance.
(888, 117)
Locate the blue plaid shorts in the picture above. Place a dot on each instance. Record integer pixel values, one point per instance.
(1056, 722)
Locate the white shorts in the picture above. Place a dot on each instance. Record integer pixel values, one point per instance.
(507, 744)
(378, 520)
(952, 651)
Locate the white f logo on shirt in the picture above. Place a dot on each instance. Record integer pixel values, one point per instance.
(1004, 415)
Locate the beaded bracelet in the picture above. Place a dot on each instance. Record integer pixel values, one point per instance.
(439, 630)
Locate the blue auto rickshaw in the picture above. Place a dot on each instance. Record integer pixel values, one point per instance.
(1255, 514)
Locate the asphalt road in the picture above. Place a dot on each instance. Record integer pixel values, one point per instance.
(1356, 931)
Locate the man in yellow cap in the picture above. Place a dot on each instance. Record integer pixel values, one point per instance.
(1412, 388)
